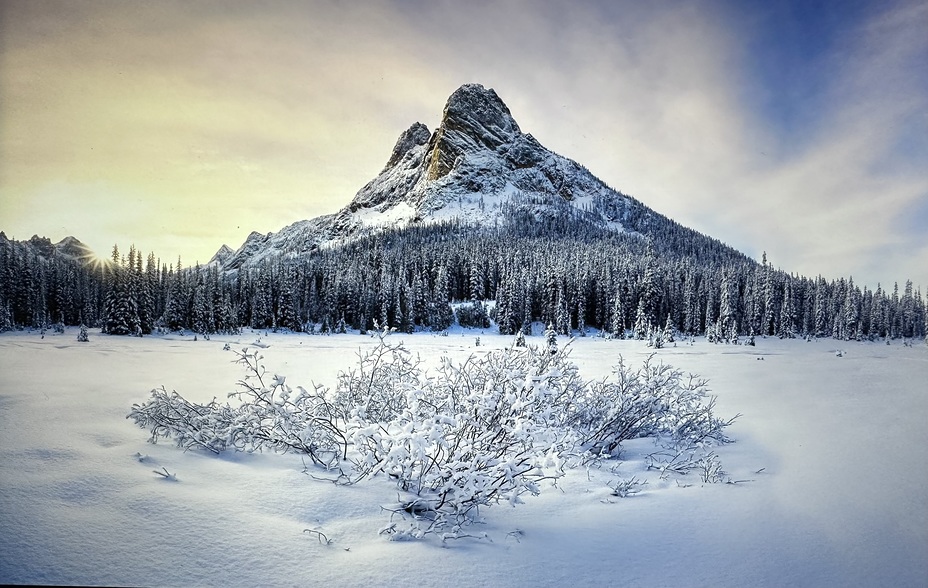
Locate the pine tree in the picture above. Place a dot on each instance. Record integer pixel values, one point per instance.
(769, 320)
(727, 307)
(787, 328)
(175, 312)
(818, 327)
(851, 312)
(262, 308)
(562, 318)
(120, 307)
(287, 316)
(147, 284)
(616, 327)
(6, 320)
(668, 331)
(642, 324)
(202, 315)
(551, 339)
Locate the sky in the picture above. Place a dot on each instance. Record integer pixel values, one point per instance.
(795, 128)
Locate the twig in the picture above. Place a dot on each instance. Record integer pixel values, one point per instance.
(323, 540)
(166, 474)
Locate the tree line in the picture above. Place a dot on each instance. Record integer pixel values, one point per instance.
(562, 271)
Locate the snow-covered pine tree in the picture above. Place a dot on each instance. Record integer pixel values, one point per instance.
(908, 311)
(6, 317)
(691, 312)
(504, 318)
(668, 331)
(616, 325)
(175, 312)
(819, 318)
(551, 339)
(120, 307)
(770, 298)
(851, 311)
(727, 301)
(562, 318)
(642, 324)
(732, 335)
(201, 312)
(787, 322)
(262, 306)
(287, 316)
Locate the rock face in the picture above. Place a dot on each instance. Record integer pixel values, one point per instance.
(474, 120)
(475, 167)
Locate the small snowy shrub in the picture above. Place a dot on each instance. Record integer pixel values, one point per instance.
(655, 400)
(82, 336)
(627, 487)
(270, 416)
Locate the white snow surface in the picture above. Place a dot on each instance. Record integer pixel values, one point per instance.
(830, 459)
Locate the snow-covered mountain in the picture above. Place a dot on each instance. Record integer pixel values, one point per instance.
(69, 248)
(221, 256)
(478, 167)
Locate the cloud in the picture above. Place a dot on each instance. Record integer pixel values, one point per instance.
(837, 198)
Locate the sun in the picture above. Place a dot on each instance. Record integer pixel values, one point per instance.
(94, 261)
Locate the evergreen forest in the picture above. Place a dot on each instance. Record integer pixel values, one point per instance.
(565, 272)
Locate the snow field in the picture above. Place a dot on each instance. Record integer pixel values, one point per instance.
(832, 451)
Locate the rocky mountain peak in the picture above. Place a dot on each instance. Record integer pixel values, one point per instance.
(417, 134)
(474, 118)
(477, 107)
(221, 256)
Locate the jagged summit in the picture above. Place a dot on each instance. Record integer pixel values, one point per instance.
(417, 134)
(474, 118)
(223, 254)
(477, 166)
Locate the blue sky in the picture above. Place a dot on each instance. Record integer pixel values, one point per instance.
(795, 128)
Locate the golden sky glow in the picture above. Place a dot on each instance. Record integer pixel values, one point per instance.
(180, 126)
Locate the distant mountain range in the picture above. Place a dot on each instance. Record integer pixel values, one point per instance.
(69, 248)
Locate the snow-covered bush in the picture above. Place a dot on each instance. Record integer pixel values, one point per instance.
(375, 391)
(655, 400)
(270, 416)
(478, 433)
(468, 435)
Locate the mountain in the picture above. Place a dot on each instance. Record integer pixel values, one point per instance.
(69, 248)
(477, 167)
(224, 253)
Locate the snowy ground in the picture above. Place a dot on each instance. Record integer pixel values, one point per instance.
(833, 448)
